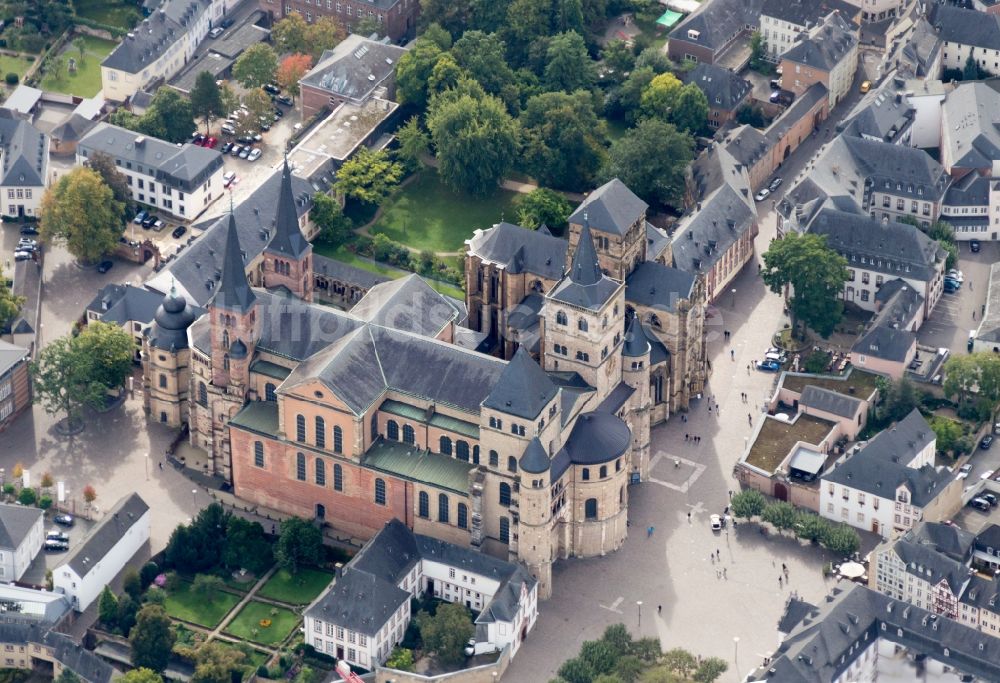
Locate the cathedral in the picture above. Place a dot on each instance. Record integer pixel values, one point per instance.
(357, 417)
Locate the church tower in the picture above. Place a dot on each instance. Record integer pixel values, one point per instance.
(535, 528)
(235, 323)
(635, 373)
(166, 361)
(288, 256)
(582, 321)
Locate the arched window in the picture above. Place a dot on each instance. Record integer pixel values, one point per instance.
(258, 453)
(463, 516)
(320, 472)
(442, 508)
(320, 432)
(585, 475)
(380, 491)
(300, 467)
(409, 436)
(504, 530)
(163, 381)
(618, 465)
(269, 394)
(445, 445)
(338, 439)
(462, 450)
(494, 459)
(423, 505)
(225, 362)
(338, 478)
(505, 494)
(561, 318)
(225, 339)
(392, 430)
(475, 455)
(590, 508)
(621, 496)
(654, 320)
(202, 395)
(604, 471)
(300, 428)
(512, 464)
(582, 324)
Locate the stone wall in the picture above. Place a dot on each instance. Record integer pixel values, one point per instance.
(488, 673)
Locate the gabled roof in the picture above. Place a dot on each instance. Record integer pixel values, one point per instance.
(234, 291)
(714, 24)
(657, 285)
(16, 522)
(961, 26)
(723, 88)
(610, 208)
(946, 539)
(522, 389)
(25, 152)
(520, 250)
(970, 121)
(830, 401)
(10, 355)
(408, 304)
(585, 286)
(902, 441)
(706, 235)
(883, 113)
(887, 343)
(287, 240)
(354, 68)
(73, 128)
(119, 304)
(806, 13)
(931, 566)
(105, 534)
(825, 47)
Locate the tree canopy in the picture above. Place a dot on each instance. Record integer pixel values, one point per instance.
(446, 632)
(369, 176)
(568, 66)
(152, 638)
(113, 178)
(652, 160)
(206, 98)
(543, 206)
(256, 66)
(565, 143)
(80, 210)
(291, 70)
(10, 304)
(300, 543)
(334, 226)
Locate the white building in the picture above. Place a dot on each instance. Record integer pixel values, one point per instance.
(782, 21)
(24, 166)
(365, 612)
(891, 484)
(22, 533)
(965, 32)
(926, 97)
(180, 180)
(109, 546)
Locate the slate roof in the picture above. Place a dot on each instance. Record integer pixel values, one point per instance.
(155, 35)
(186, 167)
(825, 47)
(10, 356)
(355, 68)
(25, 152)
(408, 304)
(970, 190)
(287, 240)
(723, 88)
(344, 272)
(823, 645)
(88, 666)
(585, 285)
(965, 26)
(15, 523)
(902, 441)
(805, 13)
(706, 235)
(234, 290)
(982, 593)
(946, 539)
(717, 22)
(173, 317)
(105, 534)
(611, 208)
(882, 114)
(830, 401)
(520, 250)
(932, 566)
(653, 284)
(597, 438)
(896, 249)
(887, 343)
(534, 460)
(119, 304)
(970, 121)
(988, 537)
(522, 388)
(73, 128)
(636, 344)
(656, 241)
(915, 56)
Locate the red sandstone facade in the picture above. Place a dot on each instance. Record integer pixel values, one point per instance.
(399, 21)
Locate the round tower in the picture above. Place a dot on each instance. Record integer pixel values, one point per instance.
(635, 373)
(535, 522)
(166, 361)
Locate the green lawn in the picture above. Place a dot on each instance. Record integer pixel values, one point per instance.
(247, 624)
(189, 606)
(296, 589)
(86, 82)
(15, 65)
(427, 215)
(122, 15)
(344, 255)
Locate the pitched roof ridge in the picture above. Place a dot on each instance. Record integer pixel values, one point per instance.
(378, 358)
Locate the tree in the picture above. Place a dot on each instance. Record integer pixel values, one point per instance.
(690, 110)
(619, 58)
(401, 659)
(300, 543)
(482, 55)
(128, 610)
(289, 34)
(132, 584)
(568, 66)
(667, 98)
(680, 661)
(413, 144)
(780, 514)
(291, 71)
(710, 669)
(61, 380)
(576, 670)
(89, 494)
(971, 70)
(815, 273)
(564, 140)
(230, 100)
(207, 586)
(624, 102)
(47, 480)
(841, 539)
(113, 178)
(80, 210)
(108, 352)
(975, 378)
(200, 545)
(541, 207)
(151, 638)
(652, 159)
(369, 176)
(413, 72)
(445, 74)
(10, 304)
(748, 503)
(660, 95)
(57, 67)
(476, 141)
(752, 115)
(258, 106)
(758, 52)
(321, 35)
(334, 226)
(27, 496)
(246, 545)
(949, 434)
(600, 655)
(169, 117)
(256, 66)
(107, 609)
(142, 675)
(900, 400)
(81, 48)
(206, 98)
(367, 27)
(215, 663)
(67, 676)
(446, 633)
(810, 526)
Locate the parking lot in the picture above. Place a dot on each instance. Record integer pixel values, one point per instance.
(48, 559)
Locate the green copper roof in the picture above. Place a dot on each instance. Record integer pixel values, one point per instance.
(409, 462)
(258, 416)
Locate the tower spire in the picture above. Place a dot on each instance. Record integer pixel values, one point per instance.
(234, 291)
(586, 270)
(288, 240)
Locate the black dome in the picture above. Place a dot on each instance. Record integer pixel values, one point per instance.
(535, 460)
(238, 350)
(598, 438)
(169, 328)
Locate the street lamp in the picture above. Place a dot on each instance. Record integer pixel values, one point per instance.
(736, 655)
(733, 290)
(194, 492)
(638, 603)
(147, 466)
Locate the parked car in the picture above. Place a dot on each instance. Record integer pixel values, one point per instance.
(265, 126)
(29, 230)
(986, 442)
(762, 195)
(23, 256)
(975, 246)
(954, 281)
(64, 519)
(278, 114)
(148, 221)
(980, 503)
(865, 86)
(272, 88)
(284, 99)
(950, 286)
(245, 152)
(990, 498)
(56, 535)
(179, 231)
(228, 129)
(227, 22)
(716, 522)
(140, 217)
(216, 32)
(775, 184)
(254, 154)
(105, 266)
(964, 471)
(210, 143)
(197, 138)
(54, 545)
(956, 274)
(226, 147)
(158, 225)
(769, 366)
(229, 179)
(235, 151)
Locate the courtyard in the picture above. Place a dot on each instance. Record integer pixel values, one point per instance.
(86, 80)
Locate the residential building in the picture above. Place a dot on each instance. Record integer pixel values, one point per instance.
(24, 166)
(889, 343)
(964, 32)
(22, 533)
(966, 207)
(726, 91)
(970, 140)
(716, 26)
(32, 605)
(891, 484)
(986, 548)
(179, 180)
(926, 96)
(827, 54)
(36, 646)
(159, 47)
(356, 70)
(126, 306)
(104, 552)
(884, 114)
(398, 565)
(858, 634)
(15, 383)
(873, 11)
(987, 335)
(397, 18)
(782, 21)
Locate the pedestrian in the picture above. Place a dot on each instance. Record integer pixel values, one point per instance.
(689, 517)
(970, 285)
(161, 464)
(659, 609)
(779, 582)
(726, 511)
(712, 558)
(710, 405)
(750, 419)
(724, 574)
(649, 532)
(973, 315)
(730, 494)
(686, 437)
(718, 554)
(718, 574)
(732, 354)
